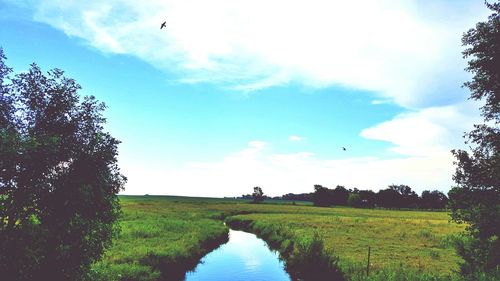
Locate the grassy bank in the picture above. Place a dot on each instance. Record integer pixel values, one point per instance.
(159, 233)
(305, 257)
(415, 241)
(307, 243)
(160, 239)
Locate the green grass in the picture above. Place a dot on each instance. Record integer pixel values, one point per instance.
(159, 234)
(414, 242)
(164, 232)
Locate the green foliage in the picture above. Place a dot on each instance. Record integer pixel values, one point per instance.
(340, 195)
(394, 197)
(408, 197)
(354, 200)
(257, 195)
(58, 177)
(322, 196)
(478, 254)
(476, 198)
(433, 200)
(483, 51)
(311, 261)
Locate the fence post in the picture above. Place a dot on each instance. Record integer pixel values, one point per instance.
(368, 264)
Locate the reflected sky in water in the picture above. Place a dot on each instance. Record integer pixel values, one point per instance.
(244, 258)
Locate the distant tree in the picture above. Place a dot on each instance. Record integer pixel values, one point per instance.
(59, 177)
(476, 198)
(340, 195)
(354, 200)
(322, 196)
(407, 199)
(298, 197)
(246, 196)
(433, 200)
(388, 198)
(367, 198)
(257, 195)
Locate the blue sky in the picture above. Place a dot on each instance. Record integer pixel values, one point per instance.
(234, 94)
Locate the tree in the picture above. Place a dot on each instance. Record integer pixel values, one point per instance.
(475, 200)
(322, 196)
(408, 198)
(354, 200)
(367, 198)
(298, 197)
(340, 195)
(257, 195)
(388, 198)
(433, 200)
(59, 177)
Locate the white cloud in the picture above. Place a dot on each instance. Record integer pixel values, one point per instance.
(257, 145)
(427, 131)
(295, 138)
(377, 102)
(278, 174)
(422, 142)
(406, 51)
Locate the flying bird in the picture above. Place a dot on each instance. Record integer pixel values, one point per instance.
(343, 148)
(164, 24)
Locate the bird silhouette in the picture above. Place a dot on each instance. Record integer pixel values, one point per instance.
(164, 24)
(343, 148)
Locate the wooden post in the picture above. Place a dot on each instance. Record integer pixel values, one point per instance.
(368, 264)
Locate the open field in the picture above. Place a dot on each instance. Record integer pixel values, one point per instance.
(160, 233)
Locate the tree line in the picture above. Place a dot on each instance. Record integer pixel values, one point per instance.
(393, 197)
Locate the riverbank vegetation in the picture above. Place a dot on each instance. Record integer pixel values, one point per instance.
(162, 232)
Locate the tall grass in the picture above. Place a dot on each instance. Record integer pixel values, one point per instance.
(160, 240)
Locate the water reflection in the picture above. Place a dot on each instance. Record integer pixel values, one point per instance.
(245, 257)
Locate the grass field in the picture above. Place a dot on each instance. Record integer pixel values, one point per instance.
(163, 233)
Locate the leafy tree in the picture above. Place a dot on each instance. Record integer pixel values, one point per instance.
(354, 200)
(59, 177)
(433, 200)
(340, 195)
(298, 197)
(367, 198)
(322, 196)
(407, 197)
(257, 195)
(476, 198)
(388, 198)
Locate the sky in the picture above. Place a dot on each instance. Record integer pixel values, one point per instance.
(235, 94)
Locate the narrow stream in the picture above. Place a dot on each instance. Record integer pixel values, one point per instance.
(244, 258)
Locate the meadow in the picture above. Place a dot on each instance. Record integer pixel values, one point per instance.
(164, 236)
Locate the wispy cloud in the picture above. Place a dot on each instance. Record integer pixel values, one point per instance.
(295, 138)
(426, 132)
(403, 50)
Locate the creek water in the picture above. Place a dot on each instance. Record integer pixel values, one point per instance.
(243, 258)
